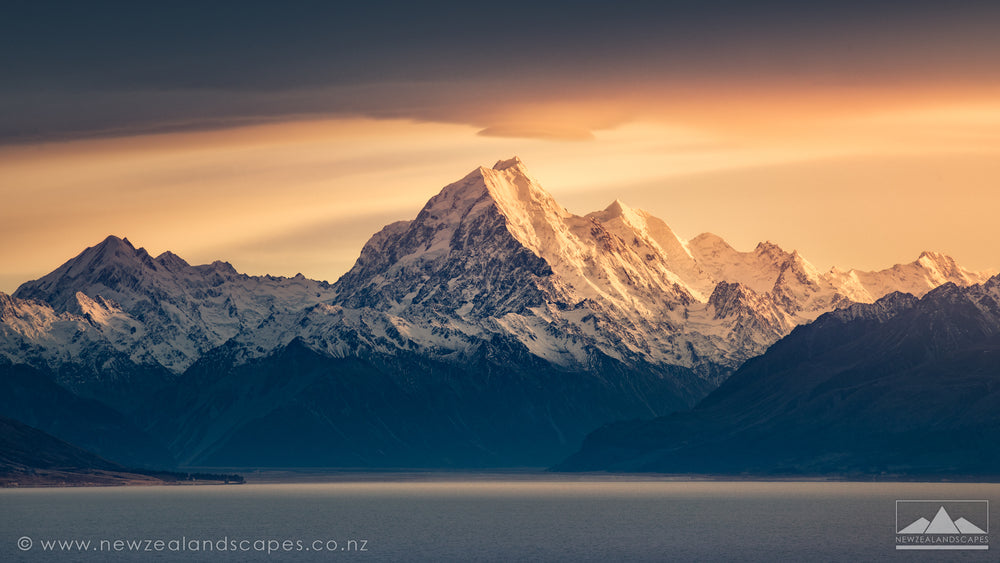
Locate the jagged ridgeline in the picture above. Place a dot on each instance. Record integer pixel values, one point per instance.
(494, 329)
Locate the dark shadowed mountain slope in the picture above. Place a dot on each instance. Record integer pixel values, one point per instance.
(23, 448)
(501, 408)
(32, 458)
(31, 397)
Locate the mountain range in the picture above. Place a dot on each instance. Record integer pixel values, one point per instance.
(494, 329)
(902, 387)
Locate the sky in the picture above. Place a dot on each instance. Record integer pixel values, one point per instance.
(280, 135)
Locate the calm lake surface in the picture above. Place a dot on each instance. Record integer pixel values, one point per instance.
(527, 518)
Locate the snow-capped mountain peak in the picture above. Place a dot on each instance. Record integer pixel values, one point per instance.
(533, 215)
(928, 271)
(509, 163)
(112, 263)
(619, 210)
(472, 226)
(654, 240)
(941, 268)
(162, 311)
(172, 262)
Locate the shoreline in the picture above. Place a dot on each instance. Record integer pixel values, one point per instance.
(302, 476)
(73, 478)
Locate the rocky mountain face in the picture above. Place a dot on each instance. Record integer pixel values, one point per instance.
(494, 299)
(904, 386)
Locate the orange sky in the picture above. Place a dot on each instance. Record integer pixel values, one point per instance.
(849, 177)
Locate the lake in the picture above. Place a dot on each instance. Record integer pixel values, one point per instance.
(474, 518)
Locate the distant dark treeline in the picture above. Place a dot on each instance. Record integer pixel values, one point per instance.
(173, 476)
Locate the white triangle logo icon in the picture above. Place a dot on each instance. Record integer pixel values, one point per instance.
(967, 527)
(942, 524)
(917, 527)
